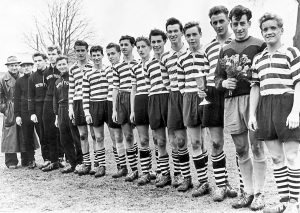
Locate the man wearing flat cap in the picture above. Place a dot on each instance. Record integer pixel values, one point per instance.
(10, 132)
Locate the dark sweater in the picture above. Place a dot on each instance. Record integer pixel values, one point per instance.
(250, 47)
(61, 90)
(21, 95)
(37, 88)
(51, 75)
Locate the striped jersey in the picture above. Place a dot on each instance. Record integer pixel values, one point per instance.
(94, 88)
(138, 79)
(190, 66)
(75, 80)
(277, 73)
(168, 65)
(109, 77)
(155, 77)
(122, 75)
(212, 51)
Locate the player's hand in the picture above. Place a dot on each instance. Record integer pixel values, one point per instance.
(33, 118)
(88, 119)
(229, 83)
(19, 121)
(252, 123)
(114, 117)
(71, 114)
(292, 121)
(56, 122)
(132, 117)
(201, 93)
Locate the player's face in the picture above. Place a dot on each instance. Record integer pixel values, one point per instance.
(126, 47)
(158, 44)
(27, 68)
(143, 49)
(174, 33)
(96, 57)
(113, 55)
(192, 36)
(52, 55)
(39, 62)
(271, 32)
(220, 23)
(80, 52)
(13, 68)
(240, 27)
(62, 66)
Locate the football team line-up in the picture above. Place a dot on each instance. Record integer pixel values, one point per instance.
(237, 82)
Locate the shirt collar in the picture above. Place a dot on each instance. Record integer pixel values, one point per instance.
(181, 51)
(281, 49)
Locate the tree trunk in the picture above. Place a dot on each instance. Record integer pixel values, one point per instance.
(297, 34)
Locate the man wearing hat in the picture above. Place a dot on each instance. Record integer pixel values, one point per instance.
(22, 113)
(10, 132)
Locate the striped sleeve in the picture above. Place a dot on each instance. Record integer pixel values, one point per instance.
(71, 86)
(116, 78)
(255, 77)
(180, 76)
(294, 58)
(133, 74)
(86, 94)
(165, 75)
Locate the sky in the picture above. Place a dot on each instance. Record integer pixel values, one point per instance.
(110, 19)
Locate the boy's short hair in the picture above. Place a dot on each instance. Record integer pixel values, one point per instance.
(172, 21)
(142, 38)
(190, 25)
(157, 32)
(216, 10)
(127, 37)
(239, 11)
(114, 45)
(96, 48)
(54, 47)
(81, 43)
(44, 56)
(270, 16)
(62, 57)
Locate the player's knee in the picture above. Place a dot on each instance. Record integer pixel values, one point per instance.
(277, 159)
(129, 138)
(181, 143)
(161, 142)
(99, 139)
(155, 141)
(217, 145)
(144, 142)
(83, 136)
(242, 152)
(291, 158)
(196, 144)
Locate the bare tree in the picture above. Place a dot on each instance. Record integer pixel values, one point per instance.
(61, 25)
(297, 34)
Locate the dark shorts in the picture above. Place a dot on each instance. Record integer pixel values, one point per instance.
(123, 107)
(213, 114)
(98, 112)
(141, 109)
(272, 113)
(191, 109)
(110, 122)
(78, 113)
(158, 110)
(175, 116)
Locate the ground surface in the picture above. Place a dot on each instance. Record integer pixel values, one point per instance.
(24, 190)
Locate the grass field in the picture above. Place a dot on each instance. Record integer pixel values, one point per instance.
(24, 190)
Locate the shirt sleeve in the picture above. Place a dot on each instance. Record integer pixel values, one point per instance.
(116, 78)
(180, 76)
(86, 94)
(165, 75)
(295, 64)
(31, 96)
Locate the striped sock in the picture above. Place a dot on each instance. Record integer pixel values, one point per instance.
(145, 159)
(96, 161)
(164, 164)
(201, 162)
(101, 157)
(150, 157)
(86, 159)
(281, 176)
(116, 156)
(157, 161)
(122, 161)
(219, 168)
(136, 148)
(184, 158)
(176, 163)
(294, 183)
(132, 158)
(239, 171)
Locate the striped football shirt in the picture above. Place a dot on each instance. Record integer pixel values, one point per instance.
(138, 79)
(122, 75)
(94, 88)
(75, 80)
(189, 67)
(109, 77)
(212, 51)
(277, 73)
(169, 65)
(155, 77)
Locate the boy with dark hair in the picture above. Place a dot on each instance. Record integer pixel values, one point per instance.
(236, 108)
